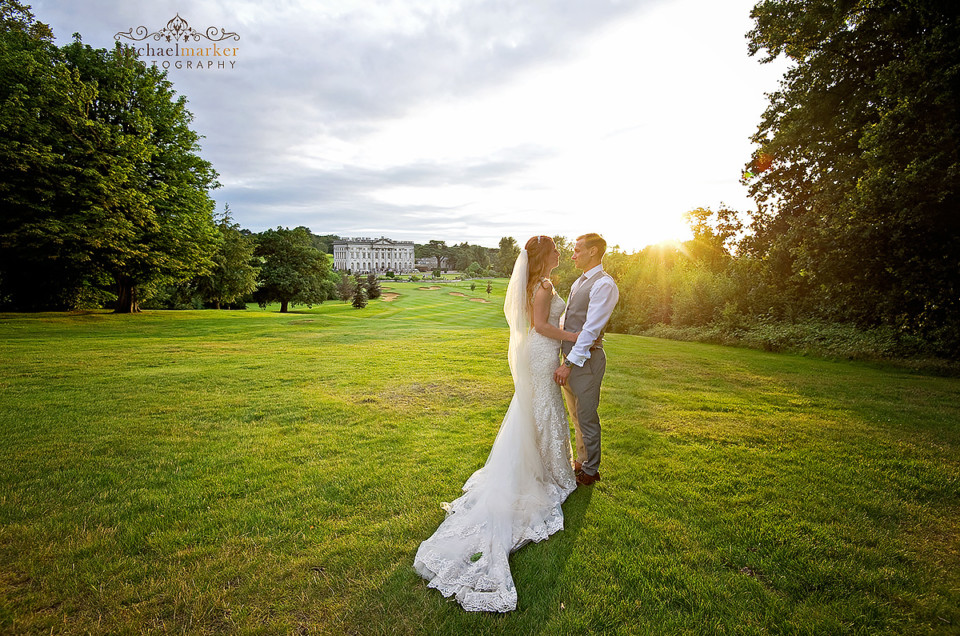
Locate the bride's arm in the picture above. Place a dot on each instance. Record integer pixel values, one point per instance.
(541, 314)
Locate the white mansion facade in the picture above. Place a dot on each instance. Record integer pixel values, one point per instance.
(366, 255)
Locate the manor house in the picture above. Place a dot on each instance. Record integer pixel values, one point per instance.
(367, 255)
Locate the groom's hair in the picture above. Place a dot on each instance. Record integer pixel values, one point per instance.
(594, 240)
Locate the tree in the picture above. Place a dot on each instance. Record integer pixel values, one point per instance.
(566, 272)
(323, 242)
(17, 18)
(489, 287)
(345, 287)
(292, 270)
(359, 293)
(146, 213)
(233, 274)
(856, 170)
(458, 256)
(714, 235)
(43, 133)
(507, 255)
(372, 287)
(474, 270)
(461, 256)
(99, 173)
(481, 255)
(434, 249)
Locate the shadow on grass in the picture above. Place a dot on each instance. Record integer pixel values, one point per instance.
(540, 570)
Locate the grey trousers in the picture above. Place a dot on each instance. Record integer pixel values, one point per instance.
(582, 395)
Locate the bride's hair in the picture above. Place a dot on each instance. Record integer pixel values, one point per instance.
(538, 249)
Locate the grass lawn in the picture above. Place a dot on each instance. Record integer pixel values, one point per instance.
(257, 472)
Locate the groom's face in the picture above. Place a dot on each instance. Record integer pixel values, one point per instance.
(580, 255)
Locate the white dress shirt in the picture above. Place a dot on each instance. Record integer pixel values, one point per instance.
(603, 298)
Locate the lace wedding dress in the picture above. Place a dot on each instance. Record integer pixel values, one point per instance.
(515, 498)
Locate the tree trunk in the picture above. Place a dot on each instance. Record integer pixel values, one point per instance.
(216, 304)
(283, 306)
(126, 297)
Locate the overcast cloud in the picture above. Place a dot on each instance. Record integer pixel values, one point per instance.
(464, 120)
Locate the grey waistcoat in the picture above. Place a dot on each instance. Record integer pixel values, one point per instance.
(576, 313)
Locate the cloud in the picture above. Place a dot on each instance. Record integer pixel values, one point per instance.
(460, 116)
(339, 79)
(325, 197)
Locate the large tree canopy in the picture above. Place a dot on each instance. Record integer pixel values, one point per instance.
(99, 171)
(857, 168)
(43, 134)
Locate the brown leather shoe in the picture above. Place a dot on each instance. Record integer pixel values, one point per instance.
(577, 466)
(583, 479)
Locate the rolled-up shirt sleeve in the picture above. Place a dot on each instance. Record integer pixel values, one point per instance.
(603, 298)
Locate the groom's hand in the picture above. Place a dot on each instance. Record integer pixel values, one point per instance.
(561, 374)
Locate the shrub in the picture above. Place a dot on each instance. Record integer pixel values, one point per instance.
(474, 270)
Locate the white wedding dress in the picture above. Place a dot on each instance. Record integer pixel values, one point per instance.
(515, 498)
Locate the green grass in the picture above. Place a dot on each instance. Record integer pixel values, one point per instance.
(258, 472)
(820, 339)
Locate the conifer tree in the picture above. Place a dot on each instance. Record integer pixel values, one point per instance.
(345, 287)
(359, 294)
(372, 287)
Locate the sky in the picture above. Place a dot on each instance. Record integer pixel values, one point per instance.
(462, 120)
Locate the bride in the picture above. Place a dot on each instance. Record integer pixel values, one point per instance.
(515, 498)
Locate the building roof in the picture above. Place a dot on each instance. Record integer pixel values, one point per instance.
(370, 241)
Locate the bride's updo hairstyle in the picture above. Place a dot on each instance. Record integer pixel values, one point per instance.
(538, 249)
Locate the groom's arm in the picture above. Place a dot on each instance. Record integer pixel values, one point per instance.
(603, 298)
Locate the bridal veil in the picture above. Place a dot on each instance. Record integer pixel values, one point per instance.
(509, 502)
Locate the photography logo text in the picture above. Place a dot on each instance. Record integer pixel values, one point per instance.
(180, 46)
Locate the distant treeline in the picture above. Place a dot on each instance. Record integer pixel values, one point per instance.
(699, 290)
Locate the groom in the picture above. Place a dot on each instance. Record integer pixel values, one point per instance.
(592, 299)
